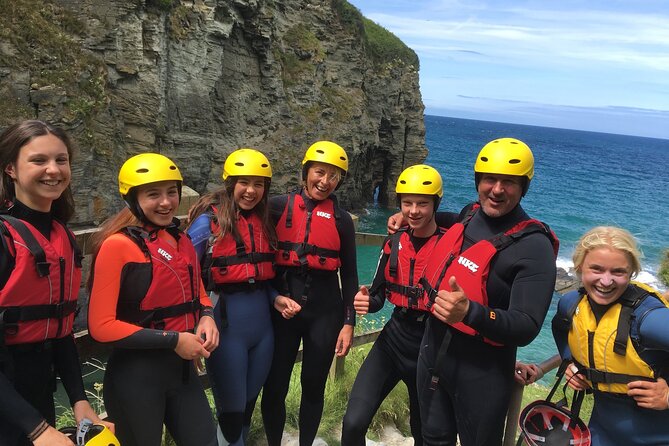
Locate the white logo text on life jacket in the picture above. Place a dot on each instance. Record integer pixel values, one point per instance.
(164, 253)
(323, 214)
(471, 266)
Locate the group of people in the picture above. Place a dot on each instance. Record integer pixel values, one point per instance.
(253, 277)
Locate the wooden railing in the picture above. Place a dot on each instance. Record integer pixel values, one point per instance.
(89, 349)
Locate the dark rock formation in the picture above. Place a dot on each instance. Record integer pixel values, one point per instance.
(198, 79)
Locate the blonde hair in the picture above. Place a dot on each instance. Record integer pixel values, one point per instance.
(611, 237)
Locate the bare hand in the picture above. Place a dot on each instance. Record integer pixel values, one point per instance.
(527, 373)
(344, 341)
(574, 380)
(208, 331)
(451, 306)
(52, 437)
(395, 222)
(190, 346)
(361, 301)
(650, 395)
(286, 306)
(82, 409)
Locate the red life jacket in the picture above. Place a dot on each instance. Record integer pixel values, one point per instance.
(247, 259)
(472, 266)
(172, 301)
(309, 237)
(39, 300)
(404, 269)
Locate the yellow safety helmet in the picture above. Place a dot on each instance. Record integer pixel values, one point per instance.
(327, 152)
(249, 162)
(147, 168)
(506, 156)
(89, 434)
(420, 179)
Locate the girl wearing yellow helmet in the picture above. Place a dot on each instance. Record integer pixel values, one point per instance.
(148, 301)
(316, 241)
(40, 264)
(236, 244)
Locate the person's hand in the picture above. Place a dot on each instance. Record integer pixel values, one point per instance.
(52, 437)
(527, 373)
(361, 301)
(451, 306)
(190, 346)
(208, 332)
(650, 395)
(83, 409)
(344, 341)
(395, 222)
(286, 306)
(575, 380)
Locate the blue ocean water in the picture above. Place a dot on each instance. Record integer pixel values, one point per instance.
(582, 179)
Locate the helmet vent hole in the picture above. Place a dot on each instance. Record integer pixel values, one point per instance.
(484, 159)
(320, 151)
(173, 167)
(342, 158)
(143, 170)
(403, 182)
(240, 164)
(514, 161)
(264, 165)
(427, 183)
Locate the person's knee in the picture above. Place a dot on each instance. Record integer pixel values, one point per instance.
(357, 419)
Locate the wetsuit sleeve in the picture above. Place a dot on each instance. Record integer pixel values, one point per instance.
(199, 232)
(349, 266)
(66, 359)
(526, 272)
(446, 219)
(277, 204)
(103, 326)
(16, 411)
(377, 292)
(653, 328)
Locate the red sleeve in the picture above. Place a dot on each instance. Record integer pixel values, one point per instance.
(115, 252)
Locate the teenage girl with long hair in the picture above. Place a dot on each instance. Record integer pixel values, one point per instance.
(148, 301)
(40, 273)
(236, 242)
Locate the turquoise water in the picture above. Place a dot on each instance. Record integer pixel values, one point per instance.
(582, 179)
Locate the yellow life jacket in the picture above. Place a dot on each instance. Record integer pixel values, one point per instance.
(603, 351)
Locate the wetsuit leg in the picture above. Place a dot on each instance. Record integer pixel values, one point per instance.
(318, 346)
(375, 380)
(188, 416)
(436, 411)
(135, 394)
(287, 336)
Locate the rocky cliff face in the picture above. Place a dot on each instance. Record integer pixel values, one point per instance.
(196, 80)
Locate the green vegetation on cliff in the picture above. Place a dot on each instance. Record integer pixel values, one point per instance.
(381, 45)
(42, 39)
(664, 268)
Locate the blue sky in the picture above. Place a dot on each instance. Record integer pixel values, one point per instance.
(589, 65)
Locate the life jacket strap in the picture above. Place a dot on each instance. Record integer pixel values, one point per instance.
(129, 311)
(413, 293)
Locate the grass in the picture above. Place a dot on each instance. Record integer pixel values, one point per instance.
(664, 268)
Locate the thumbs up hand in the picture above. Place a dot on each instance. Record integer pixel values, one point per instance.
(451, 306)
(361, 301)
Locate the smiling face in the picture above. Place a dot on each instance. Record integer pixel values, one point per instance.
(418, 210)
(499, 194)
(248, 191)
(41, 172)
(605, 274)
(322, 180)
(159, 201)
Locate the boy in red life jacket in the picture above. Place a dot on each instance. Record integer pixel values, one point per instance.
(394, 355)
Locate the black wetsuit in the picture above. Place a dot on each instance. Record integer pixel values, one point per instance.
(476, 378)
(392, 358)
(317, 326)
(28, 371)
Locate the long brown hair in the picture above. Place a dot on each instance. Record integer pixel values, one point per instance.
(11, 141)
(111, 226)
(227, 210)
